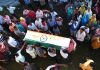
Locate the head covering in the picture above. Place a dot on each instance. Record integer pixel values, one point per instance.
(21, 18)
(88, 62)
(82, 29)
(94, 15)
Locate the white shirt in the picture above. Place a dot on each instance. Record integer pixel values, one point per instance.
(39, 14)
(87, 30)
(74, 25)
(79, 18)
(38, 23)
(59, 22)
(45, 28)
(54, 14)
(12, 42)
(64, 55)
(80, 36)
(20, 57)
(11, 9)
(49, 67)
(31, 51)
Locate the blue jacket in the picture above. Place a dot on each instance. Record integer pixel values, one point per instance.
(27, 2)
(85, 20)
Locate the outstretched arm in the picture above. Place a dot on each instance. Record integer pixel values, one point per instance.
(23, 45)
(64, 65)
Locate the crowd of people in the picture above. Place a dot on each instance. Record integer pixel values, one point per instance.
(83, 20)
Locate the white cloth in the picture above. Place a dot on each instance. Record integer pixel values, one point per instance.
(80, 36)
(88, 62)
(31, 51)
(82, 27)
(64, 55)
(11, 9)
(39, 14)
(49, 67)
(52, 54)
(20, 57)
(12, 42)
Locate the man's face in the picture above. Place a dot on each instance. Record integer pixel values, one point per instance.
(37, 18)
(39, 10)
(81, 30)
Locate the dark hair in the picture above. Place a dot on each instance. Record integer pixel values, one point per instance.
(37, 44)
(15, 28)
(10, 24)
(26, 63)
(43, 19)
(55, 26)
(4, 14)
(65, 51)
(51, 49)
(16, 54)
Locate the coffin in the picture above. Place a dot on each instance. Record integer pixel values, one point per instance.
(47, 40)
